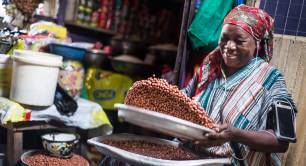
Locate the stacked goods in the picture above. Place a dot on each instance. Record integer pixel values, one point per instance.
(158, 95)
(165, 152)
(27, 7)
(42, 158)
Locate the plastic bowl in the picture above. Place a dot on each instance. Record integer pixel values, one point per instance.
(67, 51)
(60, 144)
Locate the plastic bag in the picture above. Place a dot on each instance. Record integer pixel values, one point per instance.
(206, 27)
(12, 112)
(64, 103)
(106, 88)
(49, 28)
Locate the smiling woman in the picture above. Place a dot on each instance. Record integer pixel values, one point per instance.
(239, 88)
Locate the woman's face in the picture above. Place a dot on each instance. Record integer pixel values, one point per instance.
(237, 46)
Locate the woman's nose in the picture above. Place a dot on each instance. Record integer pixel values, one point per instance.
(230, 45)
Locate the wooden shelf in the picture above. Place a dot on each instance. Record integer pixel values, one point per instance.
(71, 24)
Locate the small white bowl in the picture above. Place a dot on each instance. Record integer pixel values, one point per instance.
(60, 144)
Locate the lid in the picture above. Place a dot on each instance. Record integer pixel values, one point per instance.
(38, 58)
(129, 58)
(165, 47)
(4, 58)
(96, 51)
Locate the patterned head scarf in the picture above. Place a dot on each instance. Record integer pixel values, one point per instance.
(257, 23)
(254, 21)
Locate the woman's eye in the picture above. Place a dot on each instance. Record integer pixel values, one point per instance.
(240, 41)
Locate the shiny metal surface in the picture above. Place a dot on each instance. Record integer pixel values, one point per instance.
(137, 159)
(162, 123)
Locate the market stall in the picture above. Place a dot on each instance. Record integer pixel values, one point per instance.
(51, 81)
(89, 72)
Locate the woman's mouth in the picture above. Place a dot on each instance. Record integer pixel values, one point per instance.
(230, 55)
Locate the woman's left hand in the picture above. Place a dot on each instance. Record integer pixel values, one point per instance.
(224, 133)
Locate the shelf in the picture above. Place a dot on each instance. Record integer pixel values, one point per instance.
(45, 18)
(177, 1)
(71, 24)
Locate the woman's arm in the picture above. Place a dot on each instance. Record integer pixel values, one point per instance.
(263, 141)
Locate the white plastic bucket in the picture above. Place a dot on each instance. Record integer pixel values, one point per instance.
(34, 77)
(5, 75)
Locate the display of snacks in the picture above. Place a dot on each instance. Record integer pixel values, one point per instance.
(151, 21)
(158, 95)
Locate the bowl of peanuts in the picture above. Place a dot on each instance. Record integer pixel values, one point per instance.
(40, 157)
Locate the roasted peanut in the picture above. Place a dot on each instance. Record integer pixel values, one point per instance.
(157, 95)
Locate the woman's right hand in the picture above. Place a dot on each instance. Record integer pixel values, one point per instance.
(224, 133)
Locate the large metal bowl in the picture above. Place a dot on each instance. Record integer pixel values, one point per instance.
(163, 55)
(137, 159)
(131, 68)
(162, 123)
(128, 46)
(96, 58)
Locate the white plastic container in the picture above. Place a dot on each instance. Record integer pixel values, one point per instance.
(5, 75)
(34, 77)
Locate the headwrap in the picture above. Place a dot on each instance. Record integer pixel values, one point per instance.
(257, 23)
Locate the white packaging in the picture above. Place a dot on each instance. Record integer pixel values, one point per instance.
(34, 77)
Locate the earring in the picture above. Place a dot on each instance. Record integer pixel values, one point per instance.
(257, 47)
(258, 42)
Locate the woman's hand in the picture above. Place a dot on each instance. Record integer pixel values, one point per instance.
(224, 133)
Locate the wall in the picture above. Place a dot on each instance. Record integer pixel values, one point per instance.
(289, 57)
(289, 16)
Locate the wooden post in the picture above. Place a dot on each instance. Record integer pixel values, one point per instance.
(182, 39)
(14, 146)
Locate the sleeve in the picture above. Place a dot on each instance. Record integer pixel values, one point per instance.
(279, 93)
(189, 90)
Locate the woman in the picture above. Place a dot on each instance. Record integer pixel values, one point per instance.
(238, 88)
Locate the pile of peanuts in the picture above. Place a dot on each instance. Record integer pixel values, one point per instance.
(165, 152)
(43, 159)
(158, 95)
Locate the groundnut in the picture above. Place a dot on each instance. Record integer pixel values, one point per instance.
(157, 95)
(43, 159)
(166, 152)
